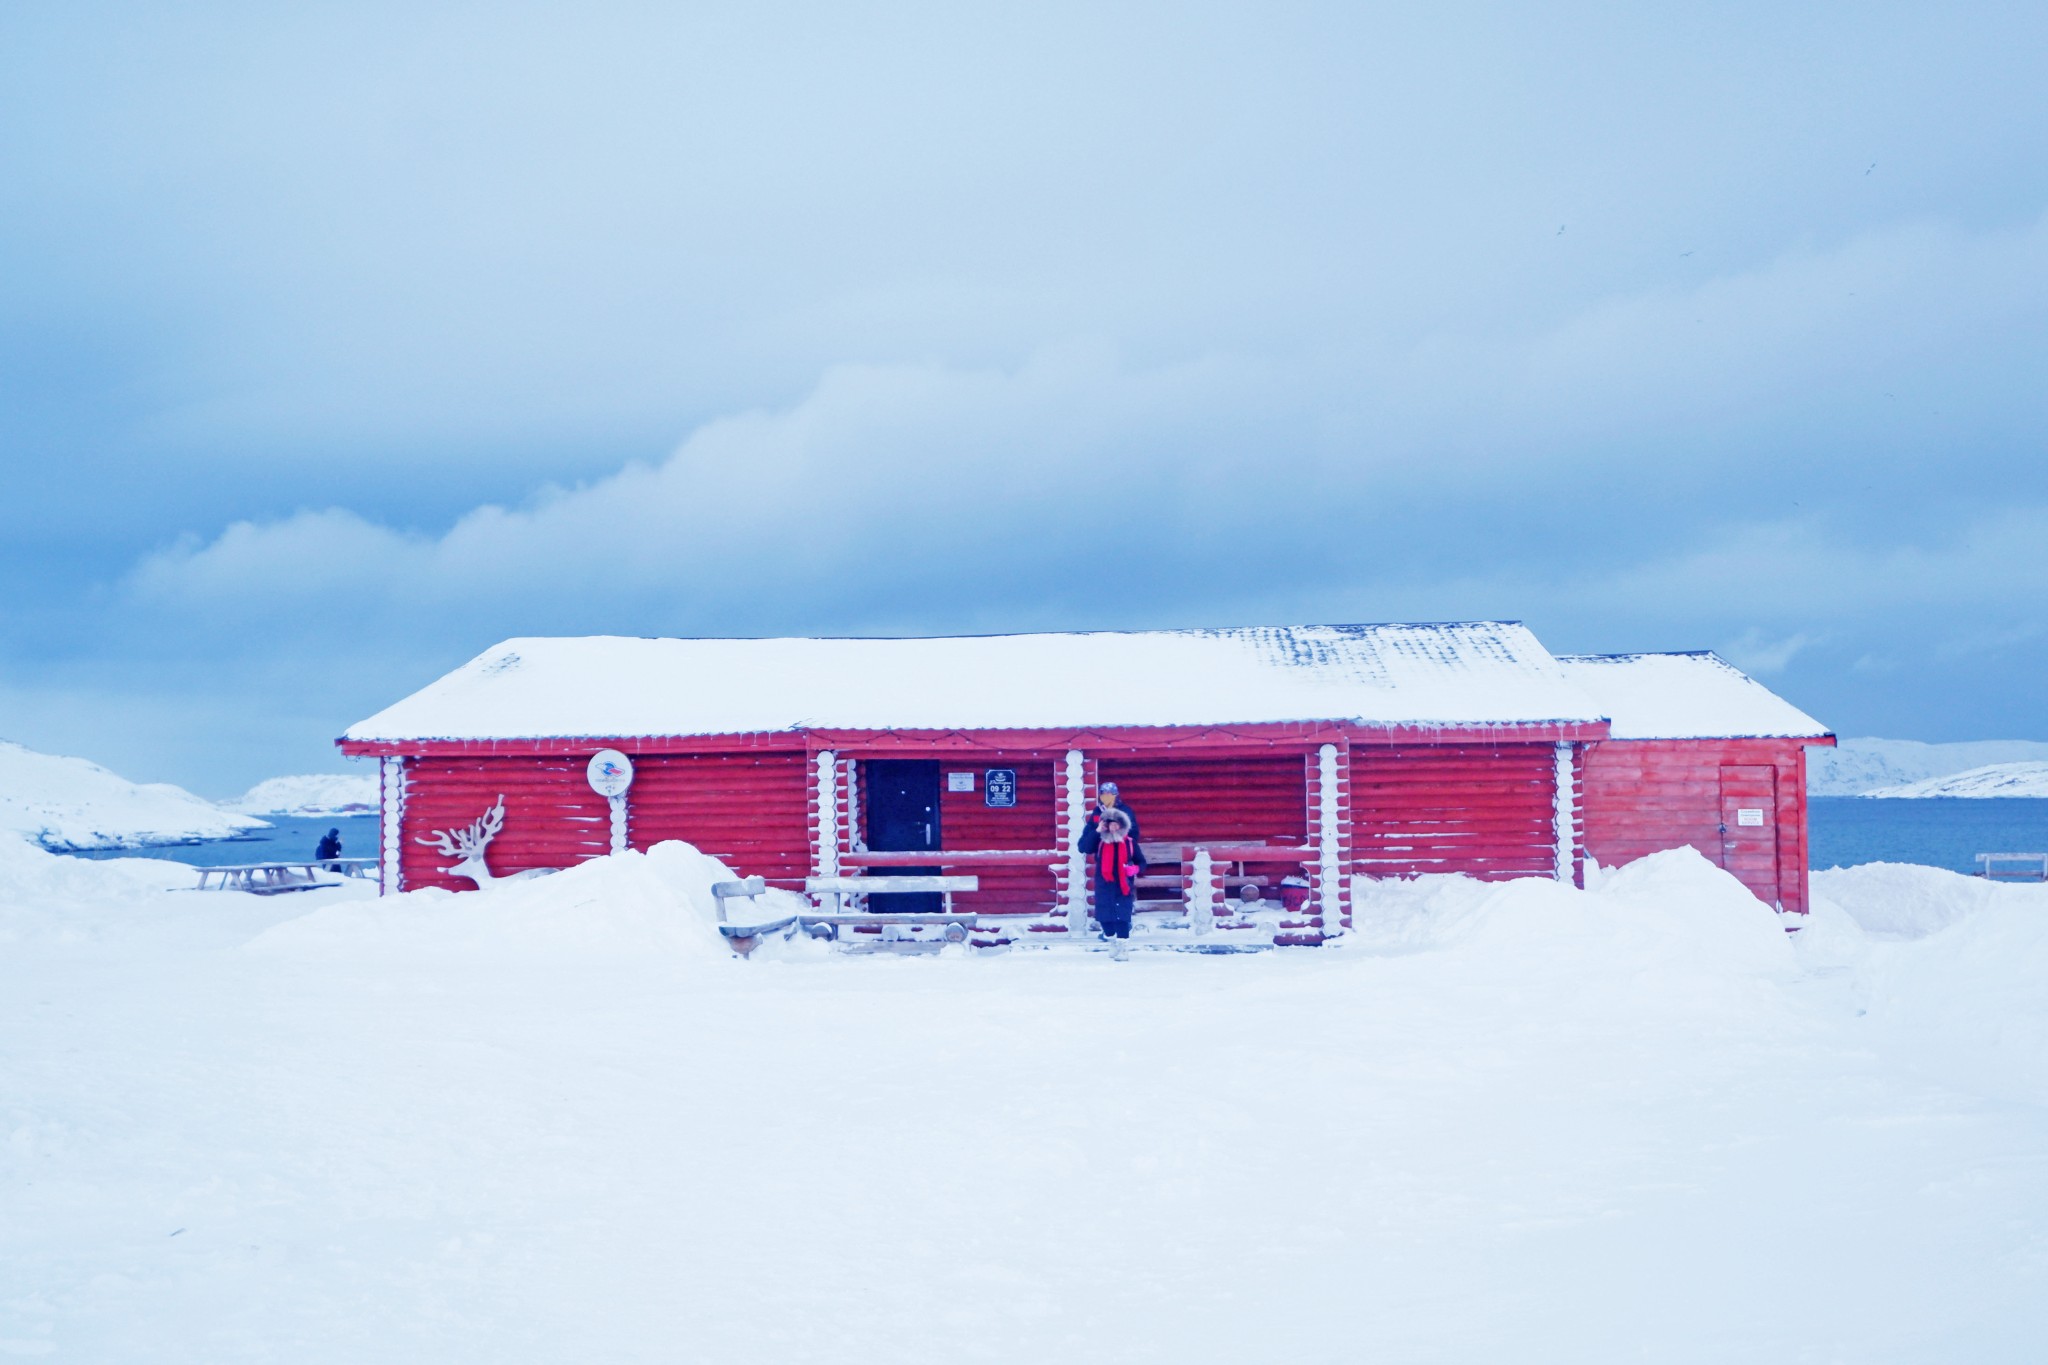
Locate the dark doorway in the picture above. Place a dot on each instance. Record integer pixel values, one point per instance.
(903, 817)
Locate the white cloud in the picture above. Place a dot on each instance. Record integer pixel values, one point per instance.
(923, 496)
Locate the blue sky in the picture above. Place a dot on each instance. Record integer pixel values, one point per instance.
(338, 343)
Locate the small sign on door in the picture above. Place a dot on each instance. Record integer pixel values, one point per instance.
(1001, 787)
(1749, 815)
(959, 782)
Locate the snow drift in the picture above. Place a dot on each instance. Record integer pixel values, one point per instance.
(557, 1120)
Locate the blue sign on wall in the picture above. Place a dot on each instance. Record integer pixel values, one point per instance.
(999, 787)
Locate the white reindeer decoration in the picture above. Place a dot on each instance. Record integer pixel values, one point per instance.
(469, 845)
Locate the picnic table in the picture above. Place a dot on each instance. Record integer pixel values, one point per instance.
(744, 937)
(276, 878)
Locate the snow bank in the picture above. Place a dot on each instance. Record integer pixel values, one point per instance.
(69, 803)
(1906, 900)
(309, 794)
(1996, 779)
(624, 905)
(1949, 967)
(1673, 918)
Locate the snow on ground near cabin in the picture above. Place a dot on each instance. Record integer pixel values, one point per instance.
(72, 803)
(309, 794)
(557, 1121)
(1856, 767)
(1997, 779)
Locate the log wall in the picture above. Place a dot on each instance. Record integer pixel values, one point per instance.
(1645, 795)
(1488, 810)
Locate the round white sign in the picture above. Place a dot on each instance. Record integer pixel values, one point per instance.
(611, 772)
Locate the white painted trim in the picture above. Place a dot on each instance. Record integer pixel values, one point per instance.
(853, 839)
(1202, 894)
(1073, 815)
(825, 845)
(390, 823)
(1561, 823)
(1329, 844)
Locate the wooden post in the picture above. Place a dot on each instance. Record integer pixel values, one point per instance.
(618, 805)
(825, 825)
(1564, 825)
(1073, 814)
(1330, 880)
(1202, 892)
(390, 824)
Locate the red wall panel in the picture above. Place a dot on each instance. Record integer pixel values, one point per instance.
(1483, 809)
(750, 810)
(1643, 796)
(1250, 798)
(967, 821)
(552, 817)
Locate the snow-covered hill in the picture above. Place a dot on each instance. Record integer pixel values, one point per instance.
(1860, 766)
(71, 803)
(557, 1121)
(1997, 779)
(311, 794)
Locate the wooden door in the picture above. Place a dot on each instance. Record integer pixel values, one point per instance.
(1749, 828)
(901, 800)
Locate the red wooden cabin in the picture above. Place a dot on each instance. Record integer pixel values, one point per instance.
(1268, 763)
(1698, 753)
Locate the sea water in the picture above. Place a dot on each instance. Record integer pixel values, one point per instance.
(1939, 831)
(290, 838)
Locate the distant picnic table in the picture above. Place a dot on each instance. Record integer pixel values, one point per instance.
(275, 878)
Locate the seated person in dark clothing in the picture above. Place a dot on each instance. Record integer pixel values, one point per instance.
(1118, 863)
(329, 850)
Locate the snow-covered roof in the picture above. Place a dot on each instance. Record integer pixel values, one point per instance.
(1457, 674)
(1684, 696)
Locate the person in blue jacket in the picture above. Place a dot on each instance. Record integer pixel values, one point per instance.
(1117, 862)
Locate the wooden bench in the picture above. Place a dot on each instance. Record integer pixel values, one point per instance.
(1992, 860)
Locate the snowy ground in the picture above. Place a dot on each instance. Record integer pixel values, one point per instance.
(555, 1122)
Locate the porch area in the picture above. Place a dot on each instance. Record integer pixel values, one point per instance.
(1244, 850)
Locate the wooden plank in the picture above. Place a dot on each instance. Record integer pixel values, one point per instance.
(884, 886)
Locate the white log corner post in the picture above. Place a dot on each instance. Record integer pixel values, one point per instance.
(1202, 892)
(1330, 888)
(1563, 819)
(618, 805)
(391, 817)
(825, 826)
(1073, 815)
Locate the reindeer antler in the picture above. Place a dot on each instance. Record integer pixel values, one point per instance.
(468, 843)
